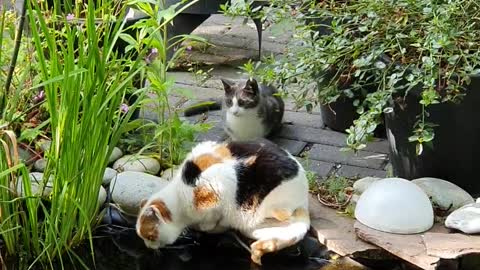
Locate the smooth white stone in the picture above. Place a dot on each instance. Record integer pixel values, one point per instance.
(443, 194)
(116, 154)
(465, 219)
(130, 188)
(137, 163)
(362, 184)
(108, 175)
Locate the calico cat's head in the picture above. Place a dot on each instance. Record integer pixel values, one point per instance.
(155, 224)
(240, 97)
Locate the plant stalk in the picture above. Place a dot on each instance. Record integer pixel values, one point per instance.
(13, 63)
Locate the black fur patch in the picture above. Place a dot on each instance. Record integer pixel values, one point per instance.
(272, 166)
(190, 173)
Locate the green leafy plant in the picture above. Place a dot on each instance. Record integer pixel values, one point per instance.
(335, 191)
(376, 52)
(200, 75)
(172, 137)
(245, 8)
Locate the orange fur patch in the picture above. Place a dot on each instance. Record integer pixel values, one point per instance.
(281, 214)
(148, 224)
(206, 160)
(204, 197)
(301, 214)
(223, 152)
(163, 209)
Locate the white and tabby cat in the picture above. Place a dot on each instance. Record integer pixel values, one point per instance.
(255, 188)
(251, 110)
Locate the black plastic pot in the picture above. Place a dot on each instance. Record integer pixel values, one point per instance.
(455, 152)
(339, 116)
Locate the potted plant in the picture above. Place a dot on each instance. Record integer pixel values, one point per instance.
(423, 58)
(319, 62)
(416, 60)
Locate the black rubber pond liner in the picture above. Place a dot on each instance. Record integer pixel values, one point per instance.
(454, 154)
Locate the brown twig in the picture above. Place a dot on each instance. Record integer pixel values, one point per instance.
(334, 205)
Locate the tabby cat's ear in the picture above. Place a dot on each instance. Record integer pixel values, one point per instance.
(251, 86)
(227, 85)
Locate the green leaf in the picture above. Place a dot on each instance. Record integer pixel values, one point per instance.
(419, 149)
(413, 138)
(129, 39)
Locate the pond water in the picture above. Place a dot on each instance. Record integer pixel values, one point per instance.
(117, 247)
(122, 249)
(195, 251)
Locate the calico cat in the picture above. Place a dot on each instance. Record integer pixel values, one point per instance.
(256, 188)
(251, 110)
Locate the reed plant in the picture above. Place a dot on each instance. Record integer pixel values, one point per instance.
(18, 218)
(85, 84)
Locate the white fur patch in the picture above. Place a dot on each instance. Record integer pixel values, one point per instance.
(243, 124)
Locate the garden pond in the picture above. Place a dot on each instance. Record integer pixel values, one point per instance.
(120, 248)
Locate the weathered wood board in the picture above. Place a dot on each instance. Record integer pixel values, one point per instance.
(336, 232)
(451, 246)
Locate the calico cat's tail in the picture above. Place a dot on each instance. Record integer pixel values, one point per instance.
(203, 106)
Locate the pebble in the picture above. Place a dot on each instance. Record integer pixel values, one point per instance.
(44, 144)
(362, 184)
(169, 173)
(102, 196)
(36, 185)
(465, 219)
(25, 155)
(130, 188)
(444, 195)
(40, 165)
(116, 154)
(108, 175)
(395, 205)
(137, 163)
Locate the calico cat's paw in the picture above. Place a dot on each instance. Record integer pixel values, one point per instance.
(260, 247)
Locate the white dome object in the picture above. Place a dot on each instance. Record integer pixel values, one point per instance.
(395, 205)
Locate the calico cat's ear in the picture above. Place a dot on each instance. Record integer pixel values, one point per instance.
(161, 210)
(251, 86)
(143, 202)
(227, 85)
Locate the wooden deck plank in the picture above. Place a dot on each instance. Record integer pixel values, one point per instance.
(336, 232)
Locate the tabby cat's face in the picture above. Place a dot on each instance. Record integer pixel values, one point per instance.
(242, 97)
